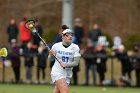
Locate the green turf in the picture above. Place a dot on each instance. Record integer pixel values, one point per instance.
(13, 88)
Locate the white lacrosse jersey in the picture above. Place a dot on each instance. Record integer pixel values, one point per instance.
(65, 55)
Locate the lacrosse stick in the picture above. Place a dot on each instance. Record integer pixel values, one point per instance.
(30, 25)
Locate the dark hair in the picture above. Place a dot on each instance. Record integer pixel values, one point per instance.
(64, 27)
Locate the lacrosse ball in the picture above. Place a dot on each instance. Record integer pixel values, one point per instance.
(30, 25)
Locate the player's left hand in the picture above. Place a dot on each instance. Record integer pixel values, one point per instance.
(63, 64)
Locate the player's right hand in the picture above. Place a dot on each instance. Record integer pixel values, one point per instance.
(51, 52)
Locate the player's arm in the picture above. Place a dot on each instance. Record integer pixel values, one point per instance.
(74, 63)
(76, 59)
(51, 53)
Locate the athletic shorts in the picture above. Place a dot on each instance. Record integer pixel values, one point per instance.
(57, 77)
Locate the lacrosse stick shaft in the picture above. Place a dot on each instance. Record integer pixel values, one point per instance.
(46, 46)
(30, 26)
(43, 41)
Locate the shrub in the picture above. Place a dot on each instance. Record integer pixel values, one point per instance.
(49, 34)
(135, 37)
(109, 39)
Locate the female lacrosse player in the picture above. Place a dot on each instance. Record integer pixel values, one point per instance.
(68, 55)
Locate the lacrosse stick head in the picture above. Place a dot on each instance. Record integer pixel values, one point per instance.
(30, 24)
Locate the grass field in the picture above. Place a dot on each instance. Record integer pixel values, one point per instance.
(22, 88)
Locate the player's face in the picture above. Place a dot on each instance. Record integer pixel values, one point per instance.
(67, 37)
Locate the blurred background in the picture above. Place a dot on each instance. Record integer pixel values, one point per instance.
(119, 17)
(109, 28)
